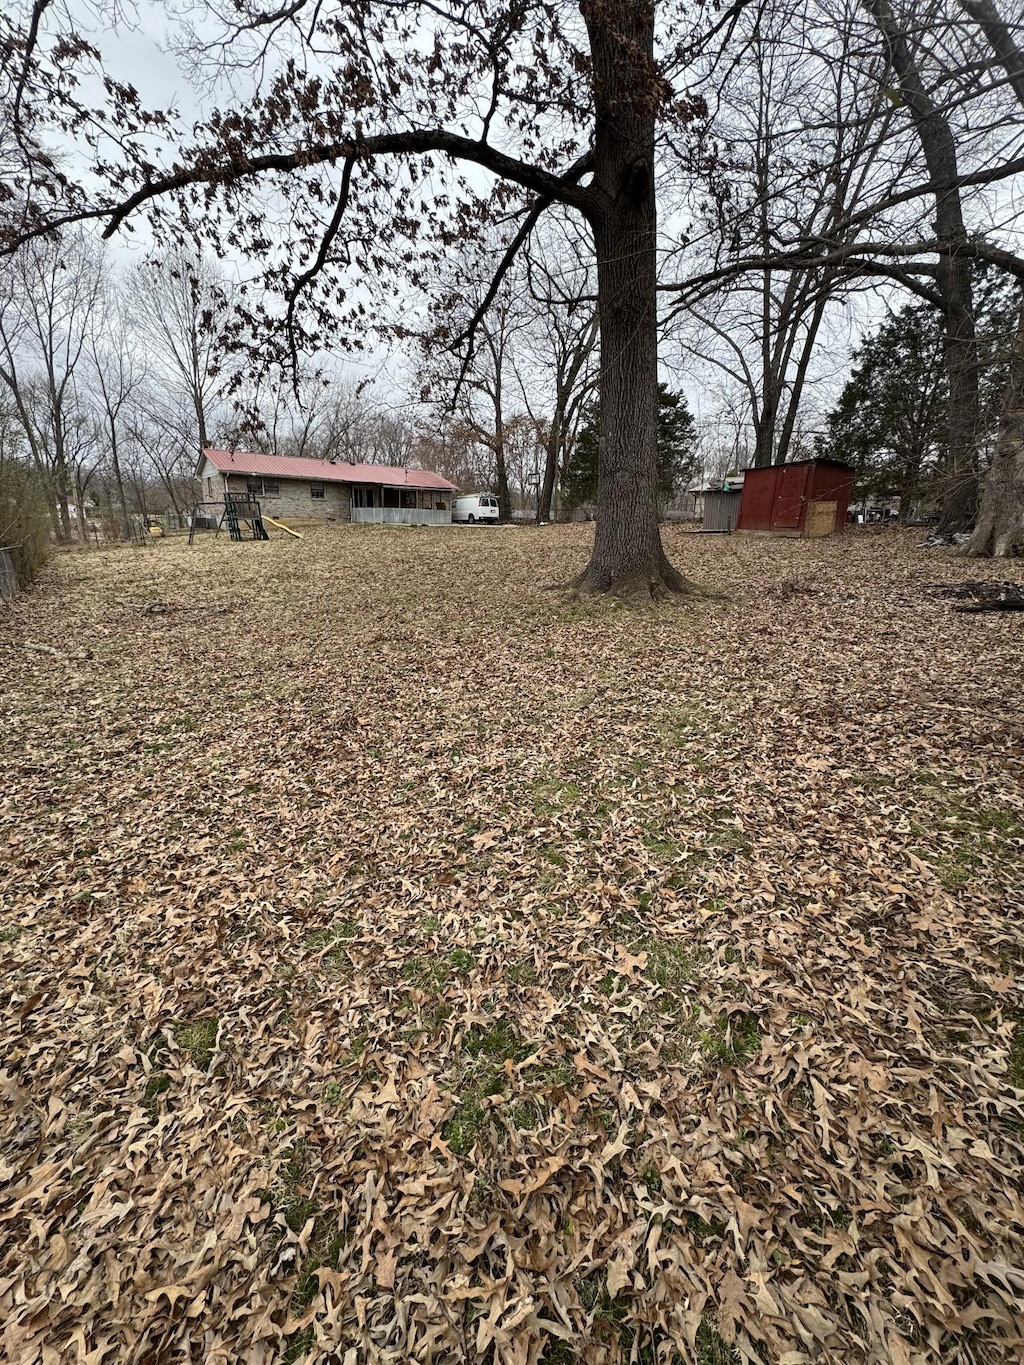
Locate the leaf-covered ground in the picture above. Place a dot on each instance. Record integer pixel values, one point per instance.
(403, 964)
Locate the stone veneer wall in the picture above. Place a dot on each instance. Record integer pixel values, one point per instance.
(294, 499)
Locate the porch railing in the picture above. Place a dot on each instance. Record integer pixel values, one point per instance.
(402, 516)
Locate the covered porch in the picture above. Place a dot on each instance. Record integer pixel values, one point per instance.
(384, 505)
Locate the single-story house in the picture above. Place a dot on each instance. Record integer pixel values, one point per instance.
(331, 489)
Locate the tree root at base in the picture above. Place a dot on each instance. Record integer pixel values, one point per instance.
(637, 588)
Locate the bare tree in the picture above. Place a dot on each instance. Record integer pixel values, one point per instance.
(51, 287)
(179, 302)
(804, 133)
(480, 391)
(953, 276)
(561, 338)
(115, 378)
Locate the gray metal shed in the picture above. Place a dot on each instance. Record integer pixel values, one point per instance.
(721, 509)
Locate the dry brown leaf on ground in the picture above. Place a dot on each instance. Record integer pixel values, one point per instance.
(404, 963)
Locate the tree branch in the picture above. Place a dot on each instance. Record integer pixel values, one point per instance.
(321, 259)
(468, 334)
(854, 255)
(562, 189)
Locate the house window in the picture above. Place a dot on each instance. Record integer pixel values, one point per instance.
(316, 490)
(408, 497)
(262, 488)
(209, 487)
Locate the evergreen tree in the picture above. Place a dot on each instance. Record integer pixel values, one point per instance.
(892, 418)
(677, 440)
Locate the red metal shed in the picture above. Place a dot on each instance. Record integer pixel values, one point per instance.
(805, 498)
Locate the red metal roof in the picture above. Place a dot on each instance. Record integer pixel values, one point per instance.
(329, 471)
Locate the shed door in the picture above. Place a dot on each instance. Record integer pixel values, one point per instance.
(789, 492)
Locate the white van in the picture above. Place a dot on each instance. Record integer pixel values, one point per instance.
(475, 507)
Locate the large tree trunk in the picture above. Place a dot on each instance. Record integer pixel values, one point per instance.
(1000, 528)
(119, 481)
(960, 495)
(954, 277)
(764, 424)
(501, 478)
(63, 489)
(547, 488)
(627, 558)
(83, 525)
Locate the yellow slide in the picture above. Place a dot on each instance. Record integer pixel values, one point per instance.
(281, 526)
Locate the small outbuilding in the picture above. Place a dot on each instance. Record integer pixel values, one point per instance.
(805, 498)
(721, 508)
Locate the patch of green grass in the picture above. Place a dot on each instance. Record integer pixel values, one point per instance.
(430, 924)
(552, 796)
(669, 964)
(521, 974)
(558, 1076)
(11, 933)
(356, 1048)
(651, 1177)
(924, 777)
(488, 1048)
(685, 725)
(466, 1124)
(589, 1291)
(665, 849)
(998, 820)
(728, 838)
(198, 1038)
(703, 1231)
(159, 746)
(525, 1114)
(733, 1040)
(955, 868)
(557, 1352)
(551, 854)
(820, 1217)
(427, 973)
(610, 1314)
(432, 1017)
(325, 1247)
(872, 781)
(462, 962)
(498, 1042)
(298, 1345)
(245, 929)
(158, 1084)
(331, 936)
(711, 1349)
